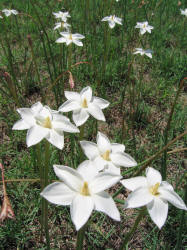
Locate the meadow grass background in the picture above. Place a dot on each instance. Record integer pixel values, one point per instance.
(155, 82)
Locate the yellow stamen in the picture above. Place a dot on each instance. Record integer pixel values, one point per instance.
(70, 36)
(84, 103)
(85, 189)
(106, 155)
(154, 189)
(47, 123)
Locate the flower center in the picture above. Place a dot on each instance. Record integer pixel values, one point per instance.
(84, 103)
(144, 26)
(154, 189)
(85, 190)
(106, 155)
(112, 18)
(47, 123)
(70, 36)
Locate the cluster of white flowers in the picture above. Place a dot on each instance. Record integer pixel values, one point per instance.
(8, 12)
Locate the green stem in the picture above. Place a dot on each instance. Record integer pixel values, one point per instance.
(81, 136)
(69, 56)
(80, 237)
(133, 229)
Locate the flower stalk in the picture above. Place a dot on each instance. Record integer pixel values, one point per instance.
(80, 237)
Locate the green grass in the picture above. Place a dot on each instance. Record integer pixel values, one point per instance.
(155, 82)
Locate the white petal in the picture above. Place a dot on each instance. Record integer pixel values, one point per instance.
(111, 24)
(61, 40)
(138, 198)
(21, 125)
(96, 112)
(61, 122)
(77, 42)
(80, 116)
(87, 170)
(153, 176)
(58, 193)
(45, 112)
(86, 93)
(134, 183)
(99, 163)
(118, 20)
(116, 147)
(81, 209)
(101, 103)
(71, 95)
(35, 134)
(142, 31)
(158, 210)
(123, 159)
(103, 181)
(69, 176)
(90, 149)
(78, 36)
(36, 108)
(166, 185)
(15, 12)
(105, 18)
(172, 197)
(56, 139)
(104, 203)
(111, 168)
(69, 105)
(27, 115)
(103, 143)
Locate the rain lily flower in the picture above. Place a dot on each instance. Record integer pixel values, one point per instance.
(62, 15)
(142, 52)
(112, 20)
(184, 12)
(9, 12)
(144, 27)
(83, 105)
(154, 193)
(68, 38)
(83, 189)
(41, 123)
(62, 25)
(107, 156)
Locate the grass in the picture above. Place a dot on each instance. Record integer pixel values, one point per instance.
(155, 84)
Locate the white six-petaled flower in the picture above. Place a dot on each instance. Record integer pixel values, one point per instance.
(62, 25)
(147, 52)
(83, 105)
(154, 193)
(62, 15)
(184, 12)
(107, 156)
(9, 12)
(144, 27)
(68, 38)
(84, 190)
(41, 123)
(112, 20)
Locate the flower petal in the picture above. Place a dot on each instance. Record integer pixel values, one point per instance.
(27, 115)
(104, 203)
(101, 103)
(86, 93)
(68, 106)
(116, 147)
(90, 149)
(56, 139)
(77, 42)
(71, 95)
(153, 176)
(138, 198)
(103, 143)
(134, 183)
(81, 209)
(111, 168)
(158, 210)
(123, 159)
(87, 170)
(61, 40)
(80, 116)
(61, 122)
(58, 193)
(21, 125)
(36, 108)
(96, 112)
(35, 134)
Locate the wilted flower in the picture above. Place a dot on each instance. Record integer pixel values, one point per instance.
(83, 105)
(144, 27)
(112, 20)
(41, 123)
(62, 15)
(9, 12)
(142, 52)
(107, 156)
(154, 193)
(184, 12)
(62, 25)
(83, 189)
(68, 38)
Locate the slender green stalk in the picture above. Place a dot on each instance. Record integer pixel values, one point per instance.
(69, 56)
(80, 237)
(133, 229)
(81, 136)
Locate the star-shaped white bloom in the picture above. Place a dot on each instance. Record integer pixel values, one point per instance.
(144, 27)
(154, 193)
(83, 105)
(9, 12)
(41, 123)
(142, 52)
(83, 189)
(62, 15)
(62, 25)
(112, 20)
(107, 156)
(184, 12)
(68, 38)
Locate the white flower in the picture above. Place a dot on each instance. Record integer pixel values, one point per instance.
(141, 51)
(62, 15)
(184, 12)
(1, 16)
(112, 20)
(144, 27)
(62, 25)
(83, 189)
(154, 193)
(41, 123)
(68, 38)
(107, 156)
(9, 12)
(83, 105)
